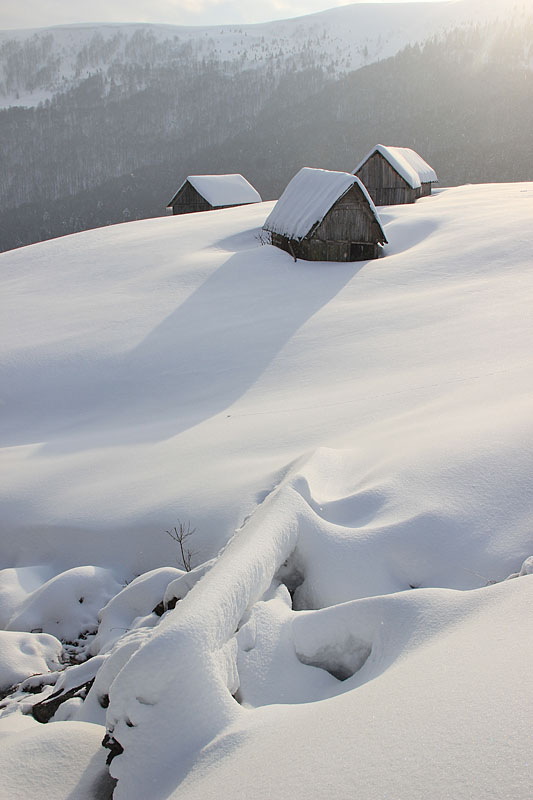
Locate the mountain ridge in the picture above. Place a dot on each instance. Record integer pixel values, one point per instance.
(358, 34)
(116, 142)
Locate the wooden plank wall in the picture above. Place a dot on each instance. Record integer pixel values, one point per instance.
(318, 250)
(350, 220)
(348, 232)
(189, 200)
(385, 186)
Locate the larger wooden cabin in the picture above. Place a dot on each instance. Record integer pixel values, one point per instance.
(326, 216)
(209, 192)
(395, 175)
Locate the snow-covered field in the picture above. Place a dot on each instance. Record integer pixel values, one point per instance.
(356, 438)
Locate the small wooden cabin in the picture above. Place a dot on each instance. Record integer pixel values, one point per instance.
(326, 216)
(208, 192)
(395, 175)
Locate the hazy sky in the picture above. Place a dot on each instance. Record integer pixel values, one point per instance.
(36, 13)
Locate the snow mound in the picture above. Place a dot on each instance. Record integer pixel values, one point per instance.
(128, 608)
(59, 761)
(303, 538)
(25, 654)
(16, 584)
(526, 569)
(441, 688)
(67, 605)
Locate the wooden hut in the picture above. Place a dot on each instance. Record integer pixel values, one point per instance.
(395, 175)
(207, 192)
(326, 216)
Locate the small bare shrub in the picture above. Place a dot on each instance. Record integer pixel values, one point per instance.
(179, 534)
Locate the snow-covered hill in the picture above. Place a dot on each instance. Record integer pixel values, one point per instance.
(129, 111)
(365, 429)
(37, 63)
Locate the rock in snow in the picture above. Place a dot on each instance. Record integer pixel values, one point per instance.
(352, 443)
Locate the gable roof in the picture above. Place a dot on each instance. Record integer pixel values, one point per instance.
(307, 199)
(412, 167)
(222, 190)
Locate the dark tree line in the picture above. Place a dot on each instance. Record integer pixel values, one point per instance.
(117, 144)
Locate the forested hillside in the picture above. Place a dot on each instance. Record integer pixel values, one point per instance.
(117, 143)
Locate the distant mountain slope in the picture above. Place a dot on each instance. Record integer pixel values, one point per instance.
(37, 63)
(140, 107)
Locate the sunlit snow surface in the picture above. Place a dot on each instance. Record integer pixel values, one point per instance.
(365, 427)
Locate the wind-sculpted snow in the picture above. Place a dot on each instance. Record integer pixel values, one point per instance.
(198, 660)
(352, 444)
(441, 691)
(193, 652)
(135, 601)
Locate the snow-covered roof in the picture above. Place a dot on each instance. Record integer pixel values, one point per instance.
(406, 162)
(222, 190)
(307, 199)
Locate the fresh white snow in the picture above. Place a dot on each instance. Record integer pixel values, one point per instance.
(307, 198)
(67, 604)
(356, 438)
(24, 654)
(41, 762)
(439, 710)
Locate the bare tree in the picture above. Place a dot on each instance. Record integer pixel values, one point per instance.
(180, 534)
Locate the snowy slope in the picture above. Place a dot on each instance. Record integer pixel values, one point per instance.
(365, 428)
(347, 38)
(133, 353)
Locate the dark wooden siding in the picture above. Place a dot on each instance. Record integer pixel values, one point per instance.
(350, 220)
(385, 186)
(348, 232)
(188, 200)
(320, 250)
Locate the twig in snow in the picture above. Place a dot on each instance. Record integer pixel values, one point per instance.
(179, 534)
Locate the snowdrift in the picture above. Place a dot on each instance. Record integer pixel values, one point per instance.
(352, 443)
